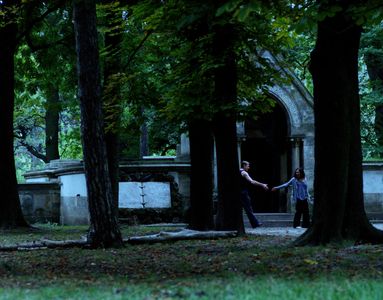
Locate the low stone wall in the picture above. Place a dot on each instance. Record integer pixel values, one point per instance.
(74, 199)
(373, 186)
(160, 185)
(40, 202)
(58, 195)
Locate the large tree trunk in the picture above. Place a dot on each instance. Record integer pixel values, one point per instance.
(104, 230)
(201, 175)
(229, 215)
(52, 124)
(10, 210)
(338, 184)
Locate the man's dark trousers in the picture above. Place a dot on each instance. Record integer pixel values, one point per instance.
(246, 204)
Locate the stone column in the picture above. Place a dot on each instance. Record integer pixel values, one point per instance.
(296, 150)
(241, 137)
(183, 150)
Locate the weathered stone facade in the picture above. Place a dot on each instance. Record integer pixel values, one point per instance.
(58, 192)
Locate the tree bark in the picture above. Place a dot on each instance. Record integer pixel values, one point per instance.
(104, 231)
(52, 116)
(229, 215)
(163, 236)
(10, 210)
(201, 175)
(338, 184)
(144, 135)
(185, 234)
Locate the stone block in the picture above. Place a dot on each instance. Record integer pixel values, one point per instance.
(144, 195)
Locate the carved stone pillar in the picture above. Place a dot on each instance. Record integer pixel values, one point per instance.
(296, 144)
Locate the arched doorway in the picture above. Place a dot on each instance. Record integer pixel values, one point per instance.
(266, 147)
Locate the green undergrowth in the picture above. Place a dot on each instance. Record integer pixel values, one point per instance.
(235, 287)
(249, 267)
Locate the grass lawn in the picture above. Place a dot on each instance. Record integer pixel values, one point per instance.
(251, 267)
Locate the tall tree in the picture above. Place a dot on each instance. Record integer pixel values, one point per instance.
(217, 66)
(229, 215)
(201, 174)
(338, 209)
(112, 95)
(52, 118)
(10, 210)
(104, 230)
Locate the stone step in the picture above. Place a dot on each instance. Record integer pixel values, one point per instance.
(272, 219)
(286, 219)
(274, 216)
(375, 216)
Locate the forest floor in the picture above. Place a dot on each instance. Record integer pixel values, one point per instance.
(260, 265)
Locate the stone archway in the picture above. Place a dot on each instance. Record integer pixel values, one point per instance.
(293, 133)
(266, 147)
(279, 142)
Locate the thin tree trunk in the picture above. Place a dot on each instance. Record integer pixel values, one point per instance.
(52, 125)
(104, 230)
(10, 209)
(338, 209)
(379, 126)
(112, 109)
(144, 140)
(201, 175)
(144, 136)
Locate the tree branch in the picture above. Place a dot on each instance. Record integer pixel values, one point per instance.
(131, 56)
(184, 234)
(29, 25)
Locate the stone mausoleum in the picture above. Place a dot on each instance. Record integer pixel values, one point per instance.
(275, 144)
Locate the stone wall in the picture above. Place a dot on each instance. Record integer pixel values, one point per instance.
(373, 186)
(61, 195)
(40, 202)
(166, 183)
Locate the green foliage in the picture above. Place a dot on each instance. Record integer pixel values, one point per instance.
(70, 144)
(139, 80)
(188, 61)
(129, 135)
(167, 65)
(367, 13)
(45, 63)
(369, 99)
(371, 88)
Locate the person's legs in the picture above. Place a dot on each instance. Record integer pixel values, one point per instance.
(298, 213)
(246, 203)
(306, 214)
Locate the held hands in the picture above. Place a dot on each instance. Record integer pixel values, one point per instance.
(311, 200)
(263, 185)
(273, 189)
